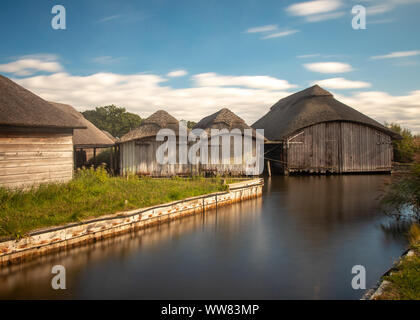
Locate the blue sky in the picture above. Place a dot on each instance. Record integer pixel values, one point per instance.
(244, 55)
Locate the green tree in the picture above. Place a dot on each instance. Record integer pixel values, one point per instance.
(402, 199)
(190, 124)
(117, 121)
(404, 149)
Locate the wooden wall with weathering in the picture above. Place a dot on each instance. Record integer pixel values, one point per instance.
(230, 165)
(338, 147)
(139, 157)
(30, 156)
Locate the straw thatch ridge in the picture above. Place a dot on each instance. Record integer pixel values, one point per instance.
(309, 107)
(110, 136)
(91, 136)
(22, 108)
(223, 119)
(151, 126)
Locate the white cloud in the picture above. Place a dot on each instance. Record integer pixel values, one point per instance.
(110, 18)
(267, 28)
(280, 34)
(384, 107)
(106, 60)
(306, 56)
(398, 54)
(379, 9)
(249, 96)
(145, 93)
(325, 16)
(29, 65)
(342, 83)
(313, 7)
(177, 73)
(328, 67)
(257, 82)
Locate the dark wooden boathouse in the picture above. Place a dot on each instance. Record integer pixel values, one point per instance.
(312, 132)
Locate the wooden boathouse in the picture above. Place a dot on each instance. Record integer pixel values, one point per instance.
(234, 127)
(36, 139)
(139, 146)
(312, 132)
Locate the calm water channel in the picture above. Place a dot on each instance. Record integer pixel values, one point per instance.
(299, 241)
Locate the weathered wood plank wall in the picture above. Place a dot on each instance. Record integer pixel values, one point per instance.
(339, 147)
(230, 165)
(33, 156)
(139, 157)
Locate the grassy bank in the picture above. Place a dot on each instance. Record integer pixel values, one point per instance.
(91, 194)
(404, 279)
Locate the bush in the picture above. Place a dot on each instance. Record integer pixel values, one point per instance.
(102, 158)
(404, 149)
(402, 199)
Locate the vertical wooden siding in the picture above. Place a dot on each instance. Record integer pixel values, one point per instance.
(30, 157)
(339, 147)
(230, 165)
(139, 157)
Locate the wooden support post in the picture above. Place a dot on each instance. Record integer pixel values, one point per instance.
(111, 162)
(74, 158)
(269, 168)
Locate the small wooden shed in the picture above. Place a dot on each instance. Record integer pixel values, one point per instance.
(310, 131)
(36, 139)
(230, 164)
(86, 141)
(139, 146)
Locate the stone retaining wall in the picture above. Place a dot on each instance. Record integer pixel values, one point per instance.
(54, 239)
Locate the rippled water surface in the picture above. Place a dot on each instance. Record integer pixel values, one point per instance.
(299, 241)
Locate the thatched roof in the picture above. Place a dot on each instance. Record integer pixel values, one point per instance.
(20, 107)
(91, 136)
(308, 107)
(222, 119)
(150, 127)
(110, 136)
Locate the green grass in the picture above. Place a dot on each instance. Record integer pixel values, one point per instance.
(405, 279)
(91, 194)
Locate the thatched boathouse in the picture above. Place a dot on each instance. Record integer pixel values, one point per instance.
(36, 139)
(310, 131)
(232, 127)
(138, 148)
(86, 141)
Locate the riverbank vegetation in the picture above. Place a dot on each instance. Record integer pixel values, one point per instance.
(92, 193)
(402, 198)
(404, 279)
(402, 202)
